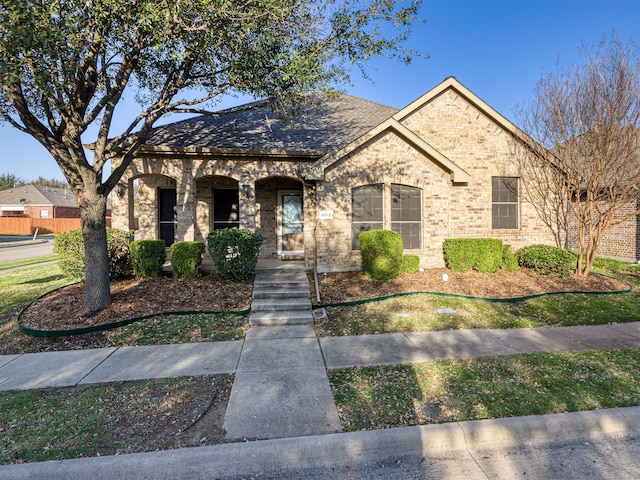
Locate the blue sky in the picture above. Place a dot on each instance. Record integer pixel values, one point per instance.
(496, 48)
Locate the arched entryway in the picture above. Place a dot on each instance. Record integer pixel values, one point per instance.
(280, 217)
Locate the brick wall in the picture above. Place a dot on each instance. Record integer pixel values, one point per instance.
(466, 137)
(620, 241)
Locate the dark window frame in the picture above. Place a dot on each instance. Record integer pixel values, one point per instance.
(367, 210)
(505, 203)
(406, 216)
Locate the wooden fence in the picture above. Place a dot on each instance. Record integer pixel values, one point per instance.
(28, 226)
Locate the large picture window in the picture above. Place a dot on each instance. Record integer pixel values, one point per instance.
(406, 215)
(404, 203)
(366, 210)
(504, 203)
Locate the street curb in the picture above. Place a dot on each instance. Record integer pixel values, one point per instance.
(455, 441)
(21, 243)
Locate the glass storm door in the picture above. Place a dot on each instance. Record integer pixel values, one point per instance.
(290, 231)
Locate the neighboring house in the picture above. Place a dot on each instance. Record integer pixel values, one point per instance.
(438, 168)
(37, 201)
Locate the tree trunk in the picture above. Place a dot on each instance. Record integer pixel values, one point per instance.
(93, 210)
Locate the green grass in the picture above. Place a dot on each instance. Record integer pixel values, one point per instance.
(60, 423)
(197, 327)
(420, 313)
(29, 261)
(22, 286)
(493, 387)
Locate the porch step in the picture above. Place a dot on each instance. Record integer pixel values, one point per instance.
(281, 292)
(281, 280)
(298, 317)
(280, 304)
(283, 266)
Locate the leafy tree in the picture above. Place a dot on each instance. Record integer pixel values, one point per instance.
(50, 182)
(9, 180)
(66, 65)
(586, 119)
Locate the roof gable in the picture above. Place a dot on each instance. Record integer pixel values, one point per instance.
(458, 175)
(451, 83)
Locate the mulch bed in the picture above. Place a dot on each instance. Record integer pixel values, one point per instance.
(351, 286)
(132, 298)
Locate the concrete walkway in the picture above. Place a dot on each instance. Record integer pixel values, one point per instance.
(295, 347)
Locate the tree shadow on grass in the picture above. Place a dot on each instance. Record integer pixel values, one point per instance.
(50, 278)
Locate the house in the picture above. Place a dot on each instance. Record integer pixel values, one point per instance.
(37, 201)
(438, 168)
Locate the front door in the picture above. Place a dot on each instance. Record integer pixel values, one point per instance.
(290, 224)
(167, 214)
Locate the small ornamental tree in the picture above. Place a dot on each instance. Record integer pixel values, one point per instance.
(583, 172)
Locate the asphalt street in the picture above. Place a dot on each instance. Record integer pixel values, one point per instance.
(23, 248)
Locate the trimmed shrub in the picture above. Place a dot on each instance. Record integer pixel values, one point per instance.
(234, 252)
(381, 252)
(186, 258)
(147, 257)
(547, 260)
(509, 259)
(410, 264)
(481, 254)
(69, 247)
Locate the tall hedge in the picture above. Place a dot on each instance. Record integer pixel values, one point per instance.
(186, 258)
(381, 252)
(69, 247)
(234, 252)
(147, 257)
(481, 254)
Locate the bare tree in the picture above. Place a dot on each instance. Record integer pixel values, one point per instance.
(586, 120)
(66, 65)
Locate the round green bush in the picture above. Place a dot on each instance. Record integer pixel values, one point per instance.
(234, 252)
(69, 247)
(381, 252)
(186, 258)
(410, 264)
(547, 260)
(147, 257)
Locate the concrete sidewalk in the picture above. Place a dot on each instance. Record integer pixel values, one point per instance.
(75, 367)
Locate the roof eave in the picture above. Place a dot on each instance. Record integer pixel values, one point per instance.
(228, 152)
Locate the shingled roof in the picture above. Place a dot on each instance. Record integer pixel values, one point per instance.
(324, 127)
(37, 196)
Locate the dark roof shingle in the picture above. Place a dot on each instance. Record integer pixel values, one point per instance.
(324, 127)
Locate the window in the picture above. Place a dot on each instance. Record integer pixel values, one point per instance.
(366, 211)
(44, 213)
(404, 204)
(504, 202)
(406, 215)
(225, 208)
